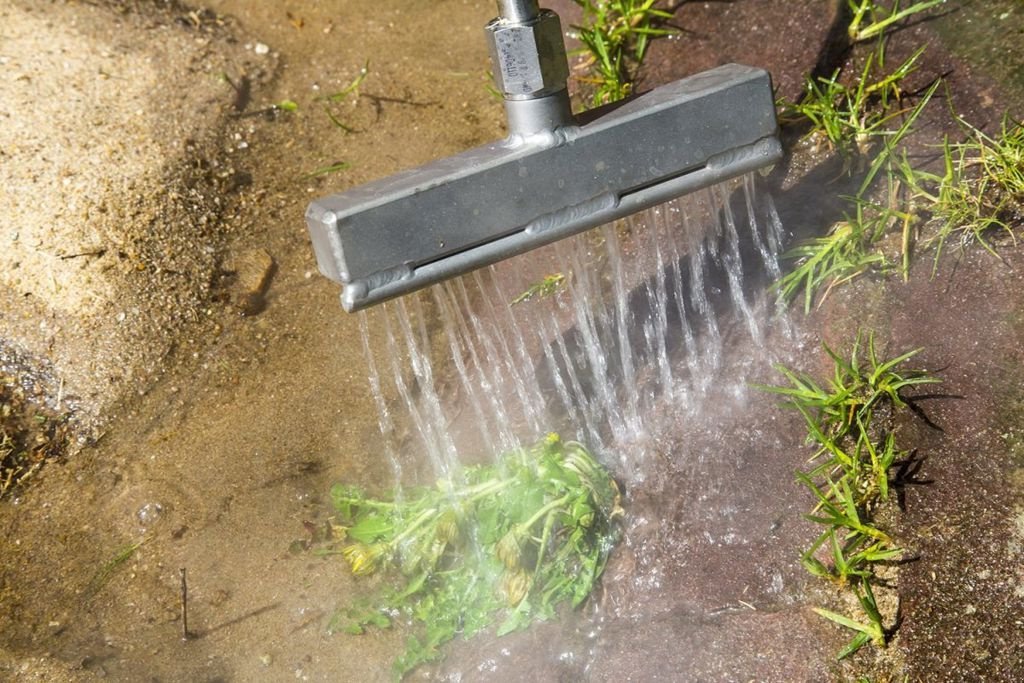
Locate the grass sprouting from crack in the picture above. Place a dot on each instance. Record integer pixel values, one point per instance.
(850, 248)
(855, 120)
(849, 422)
(507, 544)
(871, 20)
(615, 35)
(977, 194)
(979, 190)
(851, 118)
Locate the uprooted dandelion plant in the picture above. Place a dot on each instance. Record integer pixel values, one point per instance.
(505, 544)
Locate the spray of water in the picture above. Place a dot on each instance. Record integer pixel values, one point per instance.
(636, 331)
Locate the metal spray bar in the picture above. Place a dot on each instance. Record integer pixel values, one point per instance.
(554, 176)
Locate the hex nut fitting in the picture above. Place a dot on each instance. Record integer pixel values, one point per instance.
(529, 58)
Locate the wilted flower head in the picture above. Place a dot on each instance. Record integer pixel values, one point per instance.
(448, 527)
(514, 586)
(364, 559)
(508, 550)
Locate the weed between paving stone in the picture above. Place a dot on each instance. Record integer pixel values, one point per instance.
(850, 422)
(980, 190)
(851, 247)
(976, 196)
(852, 119)
(502, 544)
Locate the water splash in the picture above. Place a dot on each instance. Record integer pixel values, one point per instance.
(634, 338)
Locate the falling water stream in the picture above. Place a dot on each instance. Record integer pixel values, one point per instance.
(643, 353)
(635, 333)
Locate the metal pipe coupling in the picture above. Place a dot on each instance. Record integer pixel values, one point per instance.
(531, 71)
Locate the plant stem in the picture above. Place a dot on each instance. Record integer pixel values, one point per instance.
(416, 524)
(544, 510)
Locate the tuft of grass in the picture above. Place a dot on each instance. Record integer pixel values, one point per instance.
(350, 91)
(859, 384)
(615, 35)
(848, 476)
(870, 631)
(871, 20)
(851, 248)
(353, 87)
(850, 118)
(977, 195)
(980, 187)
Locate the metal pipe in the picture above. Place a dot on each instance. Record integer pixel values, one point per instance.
(519, 11)
(539, 116)
(530, 68)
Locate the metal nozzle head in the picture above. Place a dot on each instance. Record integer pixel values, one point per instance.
(487, 204)
(528, 57)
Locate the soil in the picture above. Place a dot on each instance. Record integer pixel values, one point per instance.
(159, 287)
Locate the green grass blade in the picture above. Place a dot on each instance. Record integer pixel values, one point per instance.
(866, 629)
(858, 641)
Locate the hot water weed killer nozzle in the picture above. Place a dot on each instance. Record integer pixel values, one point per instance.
(555, 175)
